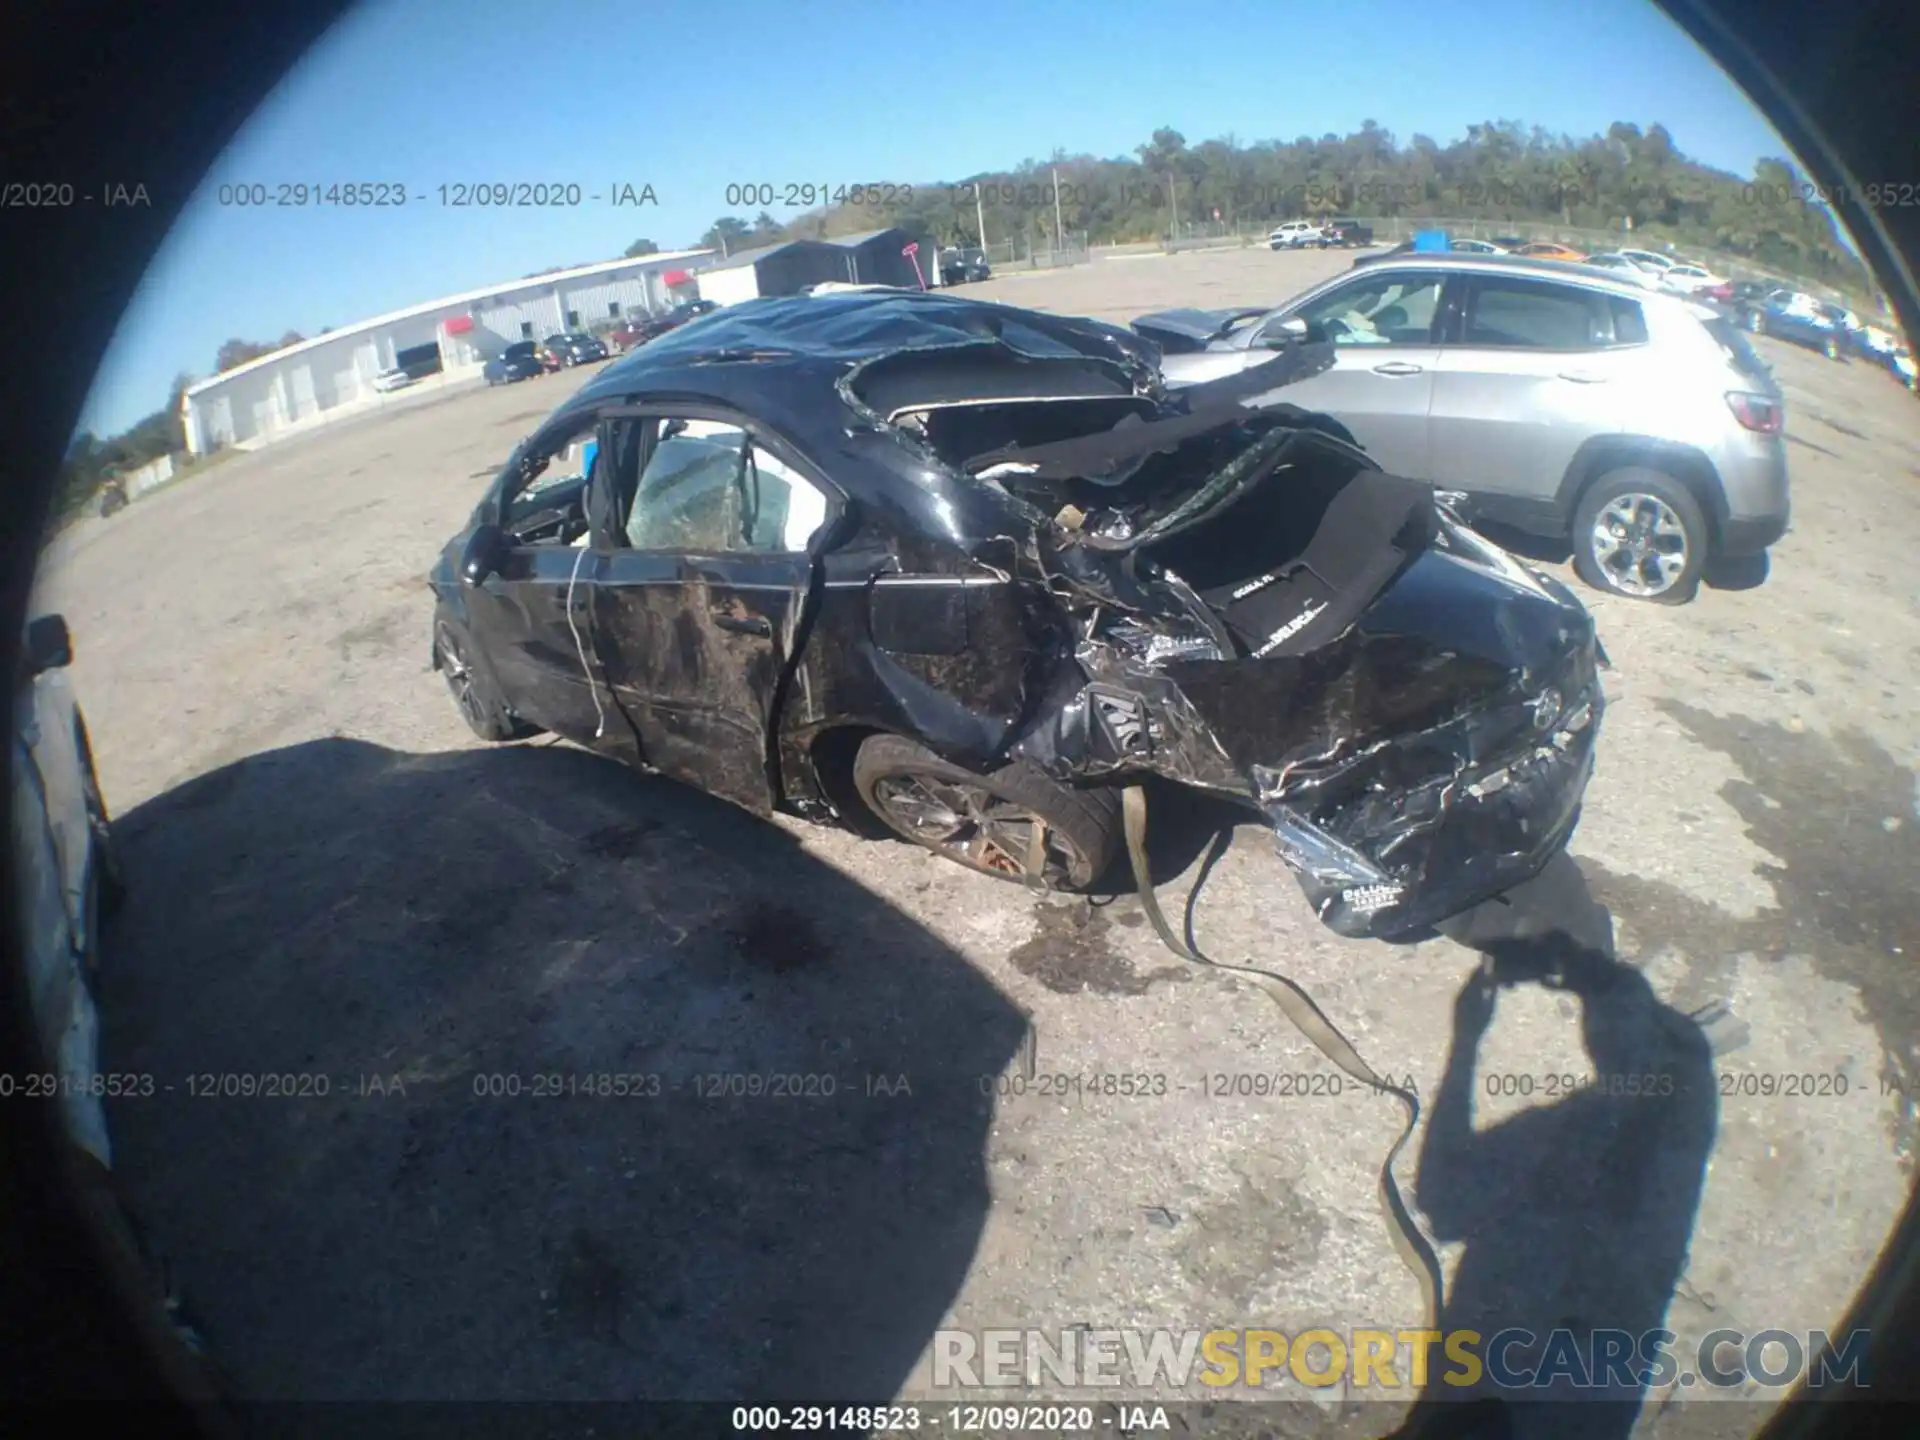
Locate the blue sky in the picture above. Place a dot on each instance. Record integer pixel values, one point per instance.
(603, 93)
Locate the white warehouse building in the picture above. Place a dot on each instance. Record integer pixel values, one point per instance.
(440, 342)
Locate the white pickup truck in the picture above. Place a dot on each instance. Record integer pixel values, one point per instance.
(1298, 235)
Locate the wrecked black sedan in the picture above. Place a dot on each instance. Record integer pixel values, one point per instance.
(966, 570)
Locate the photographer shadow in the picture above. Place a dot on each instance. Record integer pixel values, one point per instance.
(1576, 1213)
(587, 1087)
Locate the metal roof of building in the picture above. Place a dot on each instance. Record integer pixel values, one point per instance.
(741, 258)
(861, 237)
(468, 297)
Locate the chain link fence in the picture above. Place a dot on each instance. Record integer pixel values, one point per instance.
(1038, 252)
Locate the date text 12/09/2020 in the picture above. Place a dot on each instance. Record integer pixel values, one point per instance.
(454, 195)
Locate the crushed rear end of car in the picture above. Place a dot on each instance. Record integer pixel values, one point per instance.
(1256, 609)
(1053, 558)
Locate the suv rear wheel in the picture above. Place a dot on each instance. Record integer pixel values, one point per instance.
(1641, 534)
(988, 822)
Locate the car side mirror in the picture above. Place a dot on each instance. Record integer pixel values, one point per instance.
(49, 645)
(485, 554)
(1290, 331)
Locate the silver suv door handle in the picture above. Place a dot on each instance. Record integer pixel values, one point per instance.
(1397, 367)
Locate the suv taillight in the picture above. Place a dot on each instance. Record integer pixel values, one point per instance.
(1756, 412)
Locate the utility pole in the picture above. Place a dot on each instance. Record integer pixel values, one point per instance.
(1059, 234)
(1173, 201)
(980, 215)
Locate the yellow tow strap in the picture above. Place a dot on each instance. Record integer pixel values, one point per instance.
(1408, 1241)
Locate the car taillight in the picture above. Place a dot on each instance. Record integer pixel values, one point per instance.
(1721, 292)
(1756, 412)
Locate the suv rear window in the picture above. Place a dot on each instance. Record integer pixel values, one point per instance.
(1513, 313)
(1734, 346)
(518, 350)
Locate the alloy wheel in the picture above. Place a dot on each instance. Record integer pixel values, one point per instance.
(459, 672)
(969, 824)
(1640, 544)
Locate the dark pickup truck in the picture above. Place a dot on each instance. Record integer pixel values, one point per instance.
(1348, 234)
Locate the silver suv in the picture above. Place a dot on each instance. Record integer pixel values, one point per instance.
(1640, 427)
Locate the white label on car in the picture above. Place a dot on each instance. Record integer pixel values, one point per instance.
(1292, 628)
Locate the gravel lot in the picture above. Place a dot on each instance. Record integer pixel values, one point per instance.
(332, 879)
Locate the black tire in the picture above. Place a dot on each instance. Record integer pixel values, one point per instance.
(1083, 826)
(1615, 576)
(109, 878)
(471, 683)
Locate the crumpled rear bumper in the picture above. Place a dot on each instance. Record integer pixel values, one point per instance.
(1382, 862)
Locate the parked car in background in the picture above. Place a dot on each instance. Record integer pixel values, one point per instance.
(1297, 235)
(964, 266)
(1621, 268)
(1549, 250)
(1876, 343)
(1509, 243)
(1744, 298)
(112, 494)
(1347, 234)
(575, 347)
(1476, 247)
(1635, 423)
(519, 361)
(639, 329)
(818, 669)
(1649, 260)
(388, 381)
(1698, 281)
(1802, 319)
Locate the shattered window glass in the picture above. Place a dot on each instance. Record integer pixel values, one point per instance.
(708, 488)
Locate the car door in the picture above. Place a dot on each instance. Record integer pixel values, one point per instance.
(531, 617)
(700, 603)
(1529, 370)
(1383, 326)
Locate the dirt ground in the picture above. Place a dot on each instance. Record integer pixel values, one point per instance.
(334, 883)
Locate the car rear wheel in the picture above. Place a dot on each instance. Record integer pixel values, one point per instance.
(472, 686)
(989, 822)
(1640, 534)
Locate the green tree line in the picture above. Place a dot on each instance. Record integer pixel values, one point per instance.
(1501, 171)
